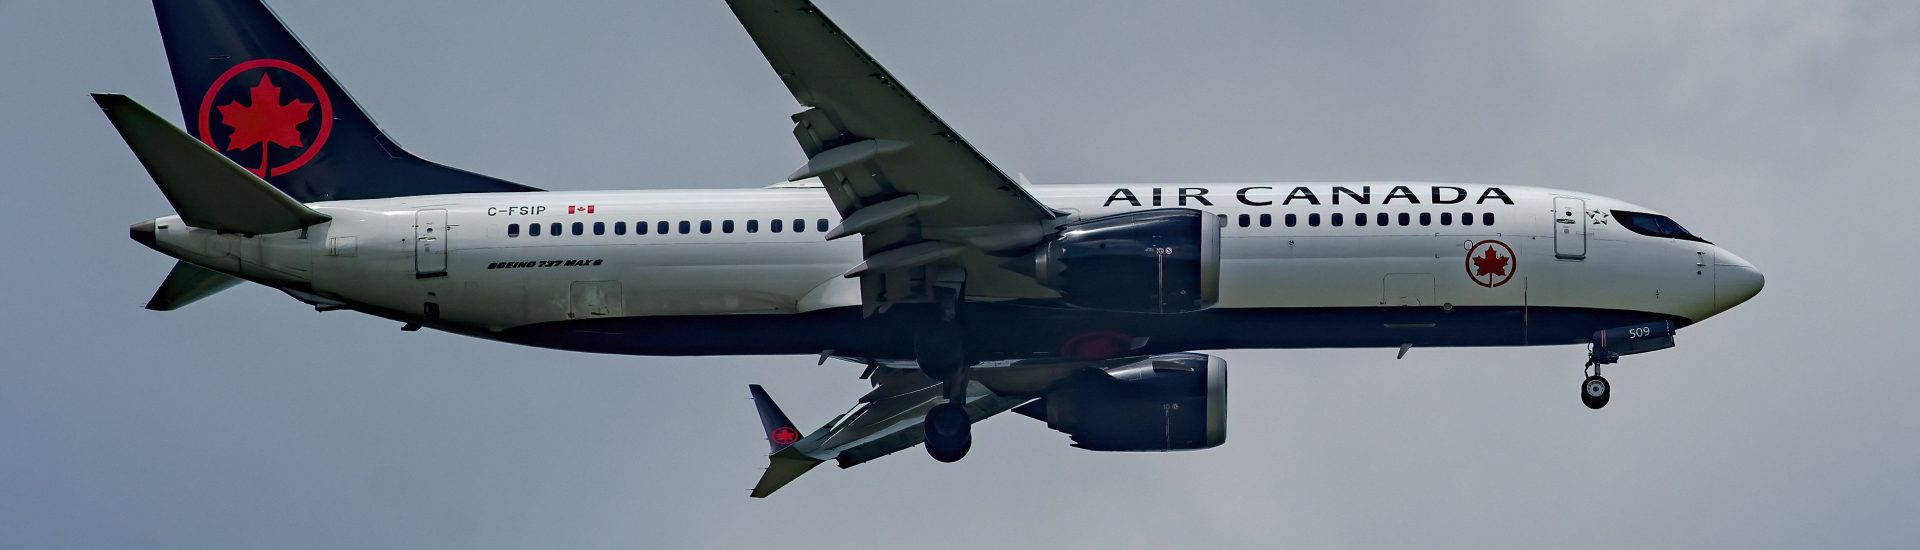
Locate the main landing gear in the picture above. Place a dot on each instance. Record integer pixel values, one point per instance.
(942, 356)
(940, 349)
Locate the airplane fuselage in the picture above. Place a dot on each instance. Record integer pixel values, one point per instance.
(748, 271)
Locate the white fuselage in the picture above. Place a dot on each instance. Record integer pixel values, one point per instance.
(476, 259)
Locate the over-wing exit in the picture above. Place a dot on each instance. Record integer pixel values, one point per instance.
(959, 292)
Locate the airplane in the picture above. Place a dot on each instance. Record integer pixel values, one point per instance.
(897, 246)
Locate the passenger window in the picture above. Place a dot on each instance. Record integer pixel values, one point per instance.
(533, 230)
(1246, 220)
(599, 228)
(640, 228)
(1360, 220)
(513, 230)
(753, 226)
(619, 228)
(553, 229)
(821, 225)
(1292, 220)
(686, 227)
(1266, 220)
(1426, 219)
(774, 226)
(579, 228)
(799, 226)
(1381, 219)
(1486, 219)
(1337, 219)
(1313, 219)
(706, 226)
(1405, 219)
(664, 228)
(726, 226)
(1466, 219)
(1446, 218)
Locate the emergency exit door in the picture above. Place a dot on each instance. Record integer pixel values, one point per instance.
(1569, 228)
(430, 243)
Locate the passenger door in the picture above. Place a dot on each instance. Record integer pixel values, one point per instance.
(430, 243)
(1569, 228)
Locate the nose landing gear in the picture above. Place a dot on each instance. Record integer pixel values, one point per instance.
(1607, 348)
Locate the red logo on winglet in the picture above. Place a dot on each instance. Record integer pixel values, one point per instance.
(784, 436)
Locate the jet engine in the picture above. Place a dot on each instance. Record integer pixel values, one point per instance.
(1152, 261)
(1164, 403)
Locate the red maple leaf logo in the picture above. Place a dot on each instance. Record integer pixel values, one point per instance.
(266, 121)
(785, 435)
(1490, 264)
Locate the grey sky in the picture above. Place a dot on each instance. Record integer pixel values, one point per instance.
(1788, 132)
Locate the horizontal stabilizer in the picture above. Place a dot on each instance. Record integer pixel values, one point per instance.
(206, 189)
(188, 283)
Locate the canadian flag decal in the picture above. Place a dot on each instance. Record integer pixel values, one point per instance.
(571, 209)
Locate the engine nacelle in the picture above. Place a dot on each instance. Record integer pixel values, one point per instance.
(1152, 261)
(1165, 403)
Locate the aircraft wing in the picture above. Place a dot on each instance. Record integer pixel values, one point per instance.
(918, 194)
(886, 419)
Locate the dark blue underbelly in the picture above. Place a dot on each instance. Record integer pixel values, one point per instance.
(1005, 332)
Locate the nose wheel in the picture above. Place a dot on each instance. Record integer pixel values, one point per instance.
(1594, 391)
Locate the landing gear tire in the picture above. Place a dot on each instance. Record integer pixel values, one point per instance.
(1595, 391)
(949, 432)
(940, 351)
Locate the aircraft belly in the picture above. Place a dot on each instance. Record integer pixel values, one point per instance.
(1011, 332)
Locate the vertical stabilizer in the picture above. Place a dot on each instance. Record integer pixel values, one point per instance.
(251, 91)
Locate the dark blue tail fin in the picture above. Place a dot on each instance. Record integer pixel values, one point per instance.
(780, 431)
(251, 91)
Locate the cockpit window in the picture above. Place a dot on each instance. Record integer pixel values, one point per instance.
(1654, 225)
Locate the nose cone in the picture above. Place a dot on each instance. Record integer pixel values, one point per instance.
(1734, 281)
(143, 233)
